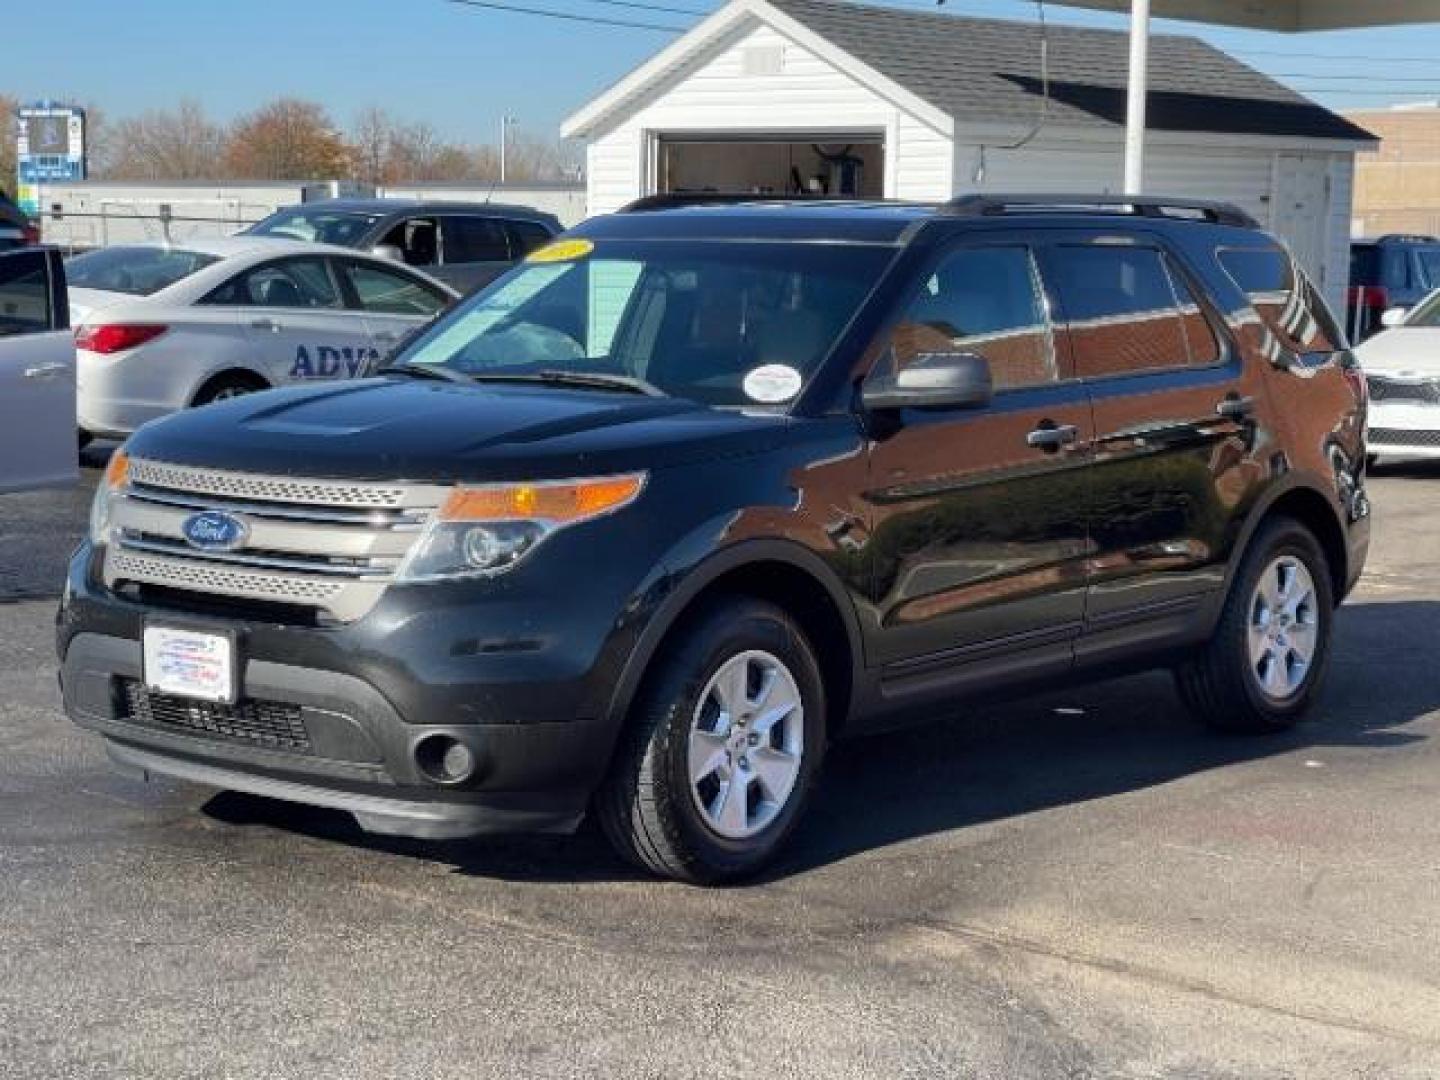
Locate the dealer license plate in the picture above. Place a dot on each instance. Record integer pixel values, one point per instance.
(190, 664)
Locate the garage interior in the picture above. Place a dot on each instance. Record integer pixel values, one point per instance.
(790, 164)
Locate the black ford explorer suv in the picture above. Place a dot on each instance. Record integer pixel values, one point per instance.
(698, 488)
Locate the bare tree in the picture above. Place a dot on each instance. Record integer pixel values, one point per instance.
(8, 105)
(179, 144)
(287, 139)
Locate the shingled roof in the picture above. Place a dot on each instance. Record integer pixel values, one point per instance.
(989, 70)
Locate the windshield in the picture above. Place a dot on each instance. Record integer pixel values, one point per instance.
(342, 227)
(138, 271)
(726, 324)
(1427, 314)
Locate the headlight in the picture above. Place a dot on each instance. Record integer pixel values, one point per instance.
(483, 531)
(117, 475)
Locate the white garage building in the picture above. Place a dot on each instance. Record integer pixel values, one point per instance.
(803, 95)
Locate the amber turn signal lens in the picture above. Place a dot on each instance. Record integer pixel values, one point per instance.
(563, 503)
(118, 471)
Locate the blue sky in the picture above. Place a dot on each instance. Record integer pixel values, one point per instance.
(461, 68)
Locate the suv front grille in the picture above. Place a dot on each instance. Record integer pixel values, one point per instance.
(1401, 437)
(1382, 389)
(329, 545)
(275, 725)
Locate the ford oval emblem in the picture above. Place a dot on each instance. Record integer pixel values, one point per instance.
(215, 531)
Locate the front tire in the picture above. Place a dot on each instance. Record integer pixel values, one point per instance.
(721, 749)
(1264, 664)
(225, 387)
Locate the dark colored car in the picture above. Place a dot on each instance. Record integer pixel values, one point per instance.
(463, 244)
(696, 489)
(1391, 272)
(16, 228)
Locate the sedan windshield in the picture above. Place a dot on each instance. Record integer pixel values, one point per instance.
(139, 271)
(342, 227)
(1427, 314)
(726, 324)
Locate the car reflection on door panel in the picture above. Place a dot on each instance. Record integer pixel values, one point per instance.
(979, 516)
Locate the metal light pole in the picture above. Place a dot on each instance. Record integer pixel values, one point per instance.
(1135, 117)
(505, 125)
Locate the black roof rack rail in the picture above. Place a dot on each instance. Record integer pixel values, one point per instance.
(675, 200)
(1155, 206)
(1406, 238)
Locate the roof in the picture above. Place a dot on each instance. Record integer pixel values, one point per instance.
(402, 205)
(988, 71)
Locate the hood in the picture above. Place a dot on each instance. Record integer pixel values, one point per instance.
(393, 428)
(84, 302)
(1405, 352)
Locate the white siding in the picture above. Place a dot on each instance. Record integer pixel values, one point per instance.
(1248, 175)
(807, 94)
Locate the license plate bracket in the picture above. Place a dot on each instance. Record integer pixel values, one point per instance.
(194, 662)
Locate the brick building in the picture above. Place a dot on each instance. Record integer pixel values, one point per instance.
(1397, 187)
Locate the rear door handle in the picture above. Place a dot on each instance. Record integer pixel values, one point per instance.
(45, 371)
(1050, 436)
(387, 337)
(265, 324)
(1236, 407)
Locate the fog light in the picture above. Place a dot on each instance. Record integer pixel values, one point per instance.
(444, 760)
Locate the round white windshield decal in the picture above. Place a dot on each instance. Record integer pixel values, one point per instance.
(772, 383)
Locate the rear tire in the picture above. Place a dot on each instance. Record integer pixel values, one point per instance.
(231, 385)
(721, 748)
(1261, 669)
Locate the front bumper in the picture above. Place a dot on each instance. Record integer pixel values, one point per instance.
(1411, 429)
(345, 710)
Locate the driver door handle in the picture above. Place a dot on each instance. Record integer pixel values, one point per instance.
(1235, 407)
(266, 324)
(1050, 436)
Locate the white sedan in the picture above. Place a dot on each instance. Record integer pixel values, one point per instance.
(1402, 369)
(160, 328)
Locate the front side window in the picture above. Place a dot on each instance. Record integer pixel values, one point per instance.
(24, 294)
(1286, 302)
(288, 283)
(138, 271)
(696, 319)
(418, 240)
(475, 240)
(986, 301)
(1430, 265)
(1128, 313)
(386, 292)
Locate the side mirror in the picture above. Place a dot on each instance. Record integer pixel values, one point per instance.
(932, 381)
(1394, 317)
(388, 251)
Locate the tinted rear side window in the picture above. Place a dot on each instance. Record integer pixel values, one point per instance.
(1128, 313)
(474, 239)
(1364, 265)
(1282, 297)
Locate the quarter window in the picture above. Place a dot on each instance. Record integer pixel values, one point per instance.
(1129, 313)
(526, 236)
(475, 239)
(1282, 297)
(386, 292)
(24, 294)
(987, 301)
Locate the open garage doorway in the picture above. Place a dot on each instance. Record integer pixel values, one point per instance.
(789, 164)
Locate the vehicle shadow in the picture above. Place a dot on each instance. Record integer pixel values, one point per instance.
(1393, 468)
(994, 762)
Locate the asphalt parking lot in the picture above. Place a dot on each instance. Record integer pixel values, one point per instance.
(1081, 885)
